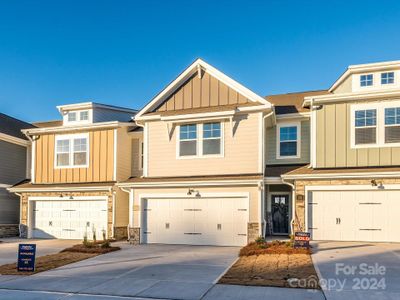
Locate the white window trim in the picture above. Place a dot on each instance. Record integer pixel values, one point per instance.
(78, 117)
(380, 124)
(278, 140)
(387, 84)
(367, 86)
(199, 144)
(71, 137)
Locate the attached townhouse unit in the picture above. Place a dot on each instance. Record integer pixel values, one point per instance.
(14, 165)
(76, 164)
(209, 162)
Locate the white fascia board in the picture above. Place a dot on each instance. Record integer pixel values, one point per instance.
(351, 97)
(300, 115)
(59, 189)
(14, 140)
(189, 183)
(344, 175)
(91, 105)
(100, 125)
(194, 67)
(364, 68)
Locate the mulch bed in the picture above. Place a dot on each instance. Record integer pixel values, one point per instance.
(67, 256)
(275, 264)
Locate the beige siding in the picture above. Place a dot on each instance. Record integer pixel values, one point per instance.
(124, 154)
(241, 151)
(136, 162)
(345, 86)
(333, 142)
(205, 92)
(271, 147)
(253, 192)
(121, 208)
(101, 160)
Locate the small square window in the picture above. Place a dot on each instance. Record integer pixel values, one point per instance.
(366, 80)
(71, 116)
(84, 115)
(387, 78)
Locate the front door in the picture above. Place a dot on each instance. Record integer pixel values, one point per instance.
(280, 214)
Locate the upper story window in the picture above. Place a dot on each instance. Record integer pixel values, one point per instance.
(375, 124)
(365, 126)
(77, 116)
(366, 80)
(72, 151)
(387, 78)
(288, 145)
(392, 125)
(200, 140)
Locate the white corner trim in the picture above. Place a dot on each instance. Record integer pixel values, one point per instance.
(146, 150)
(115, 154)
(194, 67)
(14, 140)
(278, 141)
(33, 161)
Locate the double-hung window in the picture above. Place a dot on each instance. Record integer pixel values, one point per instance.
(387, 78)
(188, 140)
(211, 138)
(200, 140)
(71, 151)
(288, 141)
(392, 125)
(366, 80)
(365, 126)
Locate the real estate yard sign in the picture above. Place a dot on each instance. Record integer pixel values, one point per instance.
(301, 240)
(26, 257)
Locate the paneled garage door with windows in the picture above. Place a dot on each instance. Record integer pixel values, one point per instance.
(195, 221)
(370, 216)
(68, 219)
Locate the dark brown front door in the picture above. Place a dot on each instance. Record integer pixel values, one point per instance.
(280, 214)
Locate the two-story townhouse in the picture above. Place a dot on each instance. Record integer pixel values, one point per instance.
(350, 191)
(203, 180)
(76, 164)
(14, 164)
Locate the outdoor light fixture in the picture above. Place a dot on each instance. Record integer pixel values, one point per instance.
(61, 195)
(191, 191)
(373, 182)
(71, 198)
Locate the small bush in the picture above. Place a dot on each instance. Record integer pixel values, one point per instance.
(260, 240)
(105, 244)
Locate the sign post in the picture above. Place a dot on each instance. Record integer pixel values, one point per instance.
(301, 240)
(26, 257)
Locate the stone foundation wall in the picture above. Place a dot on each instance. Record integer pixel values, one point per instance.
(300, 191)
(134, 235)
(253, 231)
(9, 230)
(120, 233)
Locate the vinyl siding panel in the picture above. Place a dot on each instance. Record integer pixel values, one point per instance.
(240, 151)
(124, 154)
(271, 146)
(333, 120)
(101, 160)
(9, 207)
(12, 163)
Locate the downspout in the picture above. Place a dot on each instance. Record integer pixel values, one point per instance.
(312, 122)
(263, 168)
(113, 213)
(292, 221)
(130, 205)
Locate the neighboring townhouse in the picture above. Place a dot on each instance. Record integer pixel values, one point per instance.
(75, 167)
(203, 180)
(14, 163)
(350, 191)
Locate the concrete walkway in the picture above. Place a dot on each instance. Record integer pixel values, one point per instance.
(145, 272)
(9, 247)
(351, 270)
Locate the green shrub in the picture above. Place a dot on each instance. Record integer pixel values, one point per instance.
(260, 240)
(106, 244)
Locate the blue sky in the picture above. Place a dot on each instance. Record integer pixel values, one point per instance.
(125, 52)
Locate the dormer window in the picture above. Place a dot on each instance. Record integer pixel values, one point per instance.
(387, 78)
(72, 116)
(84, 115)
(366, 80)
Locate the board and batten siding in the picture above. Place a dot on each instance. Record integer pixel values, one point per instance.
(101, 160)
(271, 146)
(12, 163)
(333, 148)
(240, 151)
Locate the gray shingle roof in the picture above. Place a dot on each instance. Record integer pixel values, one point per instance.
(12, 126)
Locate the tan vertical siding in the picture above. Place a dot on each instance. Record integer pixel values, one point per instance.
(124, 154)
(334, 147)
(101, 156)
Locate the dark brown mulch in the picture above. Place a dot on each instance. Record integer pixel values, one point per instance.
(93, 248)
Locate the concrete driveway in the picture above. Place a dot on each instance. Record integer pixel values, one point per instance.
(352, 270)
(9, 247)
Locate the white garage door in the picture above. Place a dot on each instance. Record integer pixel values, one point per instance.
(354, 215)
(205, 221)
(68, 219)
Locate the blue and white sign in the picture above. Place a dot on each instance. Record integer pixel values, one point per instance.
(26, 257)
